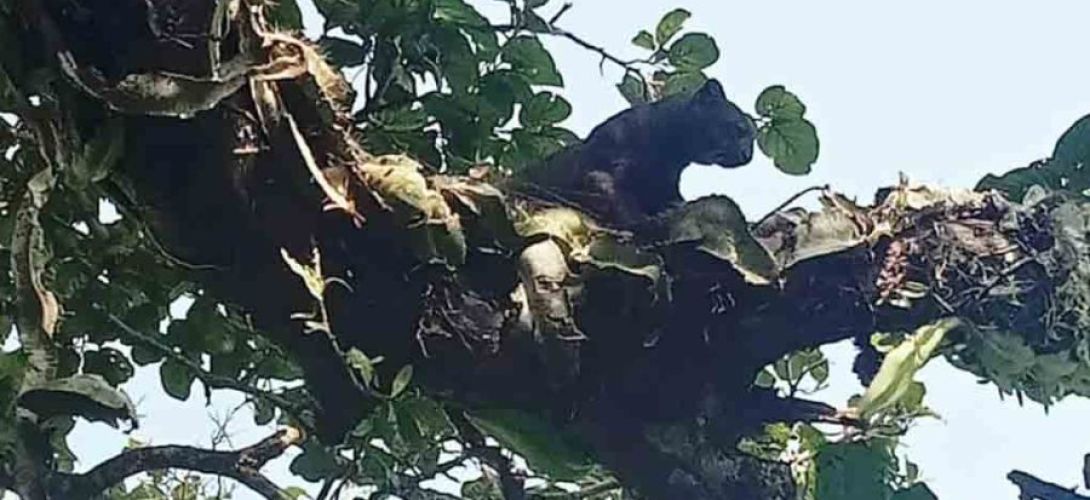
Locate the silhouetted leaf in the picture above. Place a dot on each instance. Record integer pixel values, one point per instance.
(693, 52)
(669, 25)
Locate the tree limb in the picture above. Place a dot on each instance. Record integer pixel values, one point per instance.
(241, 465)
(1033, 488)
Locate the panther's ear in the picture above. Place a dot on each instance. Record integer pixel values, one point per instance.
(710, 93)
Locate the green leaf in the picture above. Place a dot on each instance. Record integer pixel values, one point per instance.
(295, 493)
(177, 379)
(401, 119)
(854, 470)
(529, 58)
(264, 411)
(693, 52)
(100, 153)
(684, 83)
(1015, 183)
(338, 13)
(278, 367)
(401, 381)
(499, 91)
(362, 364)
(545, 449)
(894, 381)
(341, 52)
(777, 103)
(633, 89)
(286, 14)
(669, 25)
(644, 40)
(1073, 148)
(533, 4)
(544, 108)
(315, 463)
(716, 227)
(456, 59)
(459, 12)
(765, 379)
(792, 145)
(820, 373)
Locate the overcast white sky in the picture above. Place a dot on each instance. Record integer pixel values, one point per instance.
(942, 91)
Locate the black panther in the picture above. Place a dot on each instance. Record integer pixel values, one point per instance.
(629, 167)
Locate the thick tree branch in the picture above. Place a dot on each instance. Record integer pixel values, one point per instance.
(241, 465)
(1033, 488)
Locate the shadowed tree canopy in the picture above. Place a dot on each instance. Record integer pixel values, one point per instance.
(439, 262)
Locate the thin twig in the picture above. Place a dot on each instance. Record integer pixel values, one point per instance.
(560, 32)
(789, 201)
(563, 9)
(297, 411)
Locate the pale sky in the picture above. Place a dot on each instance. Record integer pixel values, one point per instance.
(942, 91)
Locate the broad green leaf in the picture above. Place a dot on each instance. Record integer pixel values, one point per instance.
(607, 253)
(544, 108)
(895, 377)
(777, 103)
(177, 379)
(765, 379)
(264, 411)
(1015, 183)
(545, 449)
(401, 381)
(401, 119)
(1073, 148)
(341, 52)
(286, 14)
(693, 52)
(633, 89)
(430, 415)
(533, 4)
(459, 12)
(529, 58)
(644, 40)
(684, 83)
(278, 367)
(792, 145)
(854, 470)
(408, 428)
(716, 226)
(669, 25)
(315, 463)
(456, 59)
(499, 91)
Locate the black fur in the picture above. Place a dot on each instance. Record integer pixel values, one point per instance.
(629, 166)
